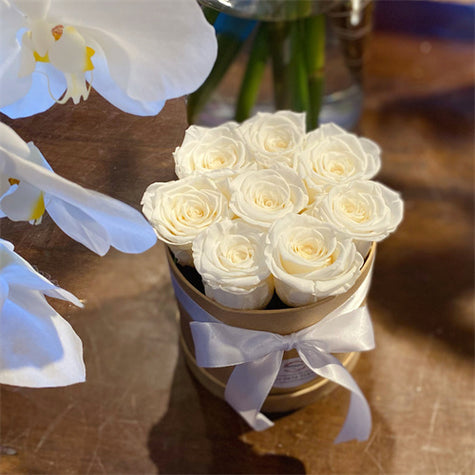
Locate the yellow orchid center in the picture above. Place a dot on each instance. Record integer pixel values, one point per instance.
(65, 48)
(38, 209)
(34, 208)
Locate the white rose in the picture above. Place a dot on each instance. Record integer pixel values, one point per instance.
(229, 255)
(263, 196)
(275, 138)
(364, 210)
(332, 156)
(179, 210)
(310, 260)
(211, 149)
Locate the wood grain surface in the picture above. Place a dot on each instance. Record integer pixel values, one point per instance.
(141, 411)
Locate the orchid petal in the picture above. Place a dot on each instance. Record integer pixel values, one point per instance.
(79, 226)
(12, 88)
(27, 277)
(69, 52)
(155, 50)
(4, 289)
(16, 271)
(27, 57)
(11, 20)
(24, 204)
(41, 35)
(39, 348)
(32, 9)
(12, 143)
(127, 229)
(47, 85)
(108, 89)
(31, 94)
(7, 244)
(5, 189)
(35, 156)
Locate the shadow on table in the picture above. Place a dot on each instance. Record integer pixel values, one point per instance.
(448, 115)
(200, 434)
(424, 274)
(430, 292)
(310, 432)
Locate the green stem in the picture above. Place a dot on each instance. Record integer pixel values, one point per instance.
(253, 75)
(228, 48)
(278, 37)
(314, 46)
(298, 83)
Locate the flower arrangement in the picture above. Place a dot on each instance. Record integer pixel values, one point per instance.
(278, 225)
(266, 207)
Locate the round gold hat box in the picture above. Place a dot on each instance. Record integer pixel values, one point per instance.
(296, 386)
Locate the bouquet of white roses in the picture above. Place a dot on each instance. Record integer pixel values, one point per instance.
(264, 206)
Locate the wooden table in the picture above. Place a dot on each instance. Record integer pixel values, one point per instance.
(140, 410)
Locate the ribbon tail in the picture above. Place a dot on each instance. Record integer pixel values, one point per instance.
(358, 419)
(249, 385)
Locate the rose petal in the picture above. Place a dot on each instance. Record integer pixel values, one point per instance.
(310, 260)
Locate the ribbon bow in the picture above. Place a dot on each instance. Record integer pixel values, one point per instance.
(257, 357)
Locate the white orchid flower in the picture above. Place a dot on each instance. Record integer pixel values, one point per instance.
(38, 348)
(135, 53)
(28, 188)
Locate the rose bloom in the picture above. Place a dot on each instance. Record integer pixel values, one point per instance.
(332, 156)
(275, 138)
(310, 260)
(179, 210)
(210, 149)
(229, 255)
(364, 210)
(263, 196)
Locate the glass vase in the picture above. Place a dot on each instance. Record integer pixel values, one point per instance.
(321, 74)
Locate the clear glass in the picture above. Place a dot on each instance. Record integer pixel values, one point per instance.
(344, 56)
(271, 10)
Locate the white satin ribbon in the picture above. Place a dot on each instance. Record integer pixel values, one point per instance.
(257, 357)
